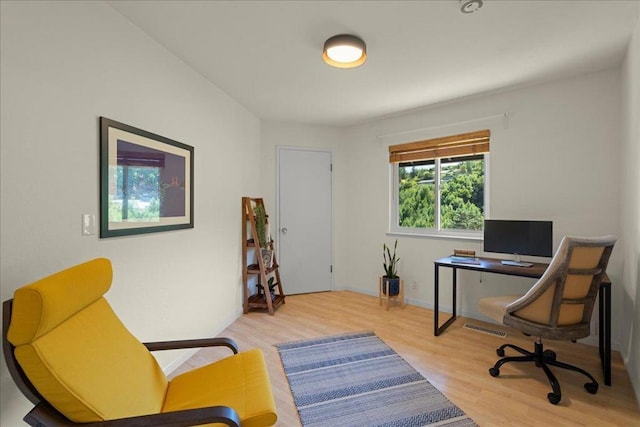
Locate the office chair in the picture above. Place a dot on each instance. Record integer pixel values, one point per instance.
(557, 307)
(70, 355)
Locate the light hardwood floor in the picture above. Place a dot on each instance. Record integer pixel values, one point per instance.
(456, 362)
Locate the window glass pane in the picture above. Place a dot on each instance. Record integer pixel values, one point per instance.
(462, 193)
(137, 194)
(416, 194)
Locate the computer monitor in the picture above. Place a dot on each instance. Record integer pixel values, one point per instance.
(518, 237)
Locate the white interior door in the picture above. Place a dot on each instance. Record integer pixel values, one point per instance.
(304, 220)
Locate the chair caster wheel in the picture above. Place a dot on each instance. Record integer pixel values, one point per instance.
(500, 352)
(553, 398)
(494, 372)
(592, 388)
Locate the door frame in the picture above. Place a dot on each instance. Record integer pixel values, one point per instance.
(280, 148)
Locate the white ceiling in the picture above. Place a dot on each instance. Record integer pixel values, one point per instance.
(267, 54)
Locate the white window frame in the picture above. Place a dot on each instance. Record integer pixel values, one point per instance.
(437, 232)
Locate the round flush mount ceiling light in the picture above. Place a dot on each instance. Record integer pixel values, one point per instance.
(344, 51)
(470, 6)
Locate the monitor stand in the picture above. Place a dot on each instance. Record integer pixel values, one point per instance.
(516, 262)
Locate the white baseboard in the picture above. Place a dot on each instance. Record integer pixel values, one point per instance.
(176, 363)
(187, 354)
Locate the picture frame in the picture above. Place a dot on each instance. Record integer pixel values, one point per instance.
(146, 181)
(267, 257)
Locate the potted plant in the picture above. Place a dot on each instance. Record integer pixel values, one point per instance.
(263, 238)
(271, 284)
(390, 280)
(261, 226)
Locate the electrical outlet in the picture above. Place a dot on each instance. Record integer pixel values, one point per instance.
(414, 285)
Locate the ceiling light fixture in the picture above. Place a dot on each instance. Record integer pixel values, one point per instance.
(344, 51)
(470, 6)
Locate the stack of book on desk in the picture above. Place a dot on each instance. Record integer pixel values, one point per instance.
(464, 256)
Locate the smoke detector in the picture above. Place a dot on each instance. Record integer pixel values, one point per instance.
(469, 6)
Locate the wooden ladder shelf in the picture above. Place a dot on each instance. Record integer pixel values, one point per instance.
(255, 264)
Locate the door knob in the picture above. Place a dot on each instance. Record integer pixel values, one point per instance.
(284, 231)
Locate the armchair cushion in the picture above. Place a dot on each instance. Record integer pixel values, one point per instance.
(227, 382)
(77, 353)
(43, 305)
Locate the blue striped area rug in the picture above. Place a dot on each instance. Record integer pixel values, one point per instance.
(356, 379)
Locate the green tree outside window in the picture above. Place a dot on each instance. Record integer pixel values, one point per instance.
(462, 183)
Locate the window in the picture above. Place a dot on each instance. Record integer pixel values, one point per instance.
(138, 189)
(438, 185)
(143, 181)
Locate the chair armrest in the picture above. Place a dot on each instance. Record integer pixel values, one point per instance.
(204, 342)
(44, 415)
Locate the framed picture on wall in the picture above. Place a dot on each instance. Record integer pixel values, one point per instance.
(146, 181)
(267, 257)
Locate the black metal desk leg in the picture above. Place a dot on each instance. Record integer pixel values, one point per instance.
(600, 325)
(604, 312)
(437, 330)
(436, 285)
(454, 292)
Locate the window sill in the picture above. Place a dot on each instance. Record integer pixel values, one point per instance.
(443, 235)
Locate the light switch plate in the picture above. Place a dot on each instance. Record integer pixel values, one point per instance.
(88, 224)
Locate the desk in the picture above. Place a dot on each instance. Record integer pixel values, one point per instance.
(491, 265)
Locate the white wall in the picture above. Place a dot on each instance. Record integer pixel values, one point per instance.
(630, 288)
(559, 159)
(63, 65)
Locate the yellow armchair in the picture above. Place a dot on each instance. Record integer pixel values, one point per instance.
(74, 359)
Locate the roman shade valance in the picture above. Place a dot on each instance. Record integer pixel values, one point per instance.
(448, 146)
